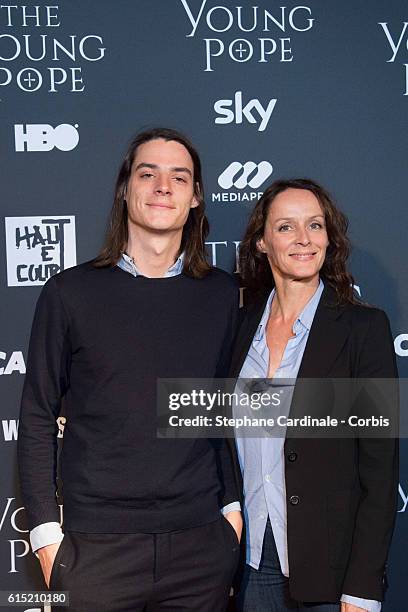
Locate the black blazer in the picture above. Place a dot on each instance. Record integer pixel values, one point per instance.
(341, 493)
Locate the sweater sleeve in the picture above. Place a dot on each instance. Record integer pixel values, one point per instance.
(46, 382)
(224, 451)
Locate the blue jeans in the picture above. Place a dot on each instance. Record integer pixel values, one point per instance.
(267, 589)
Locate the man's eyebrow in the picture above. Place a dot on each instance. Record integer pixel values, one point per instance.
(181, 169)
(155, 166)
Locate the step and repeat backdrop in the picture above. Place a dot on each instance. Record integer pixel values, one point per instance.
(264, 90)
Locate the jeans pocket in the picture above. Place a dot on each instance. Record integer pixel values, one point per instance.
(232, 532)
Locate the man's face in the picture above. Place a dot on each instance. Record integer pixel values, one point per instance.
(160, 191)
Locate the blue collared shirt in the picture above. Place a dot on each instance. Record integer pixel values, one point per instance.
(127, 263)
(262, 459)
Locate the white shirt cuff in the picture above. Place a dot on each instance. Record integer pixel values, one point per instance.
(47, 533)
(367, 604)
(232, 507)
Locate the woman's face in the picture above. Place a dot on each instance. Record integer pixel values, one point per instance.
(295, 238)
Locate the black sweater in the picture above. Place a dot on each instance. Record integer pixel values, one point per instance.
(100, 339)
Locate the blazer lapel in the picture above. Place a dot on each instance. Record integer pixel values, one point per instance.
(327, 337)
(246, 333)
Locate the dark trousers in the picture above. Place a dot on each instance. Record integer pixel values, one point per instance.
(267, 589)
(188, 570)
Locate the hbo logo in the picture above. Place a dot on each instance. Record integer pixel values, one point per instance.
(43, 137)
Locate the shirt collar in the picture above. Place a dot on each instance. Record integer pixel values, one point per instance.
(305, 318)
(127, 263)
(307, 315)
(262, 323)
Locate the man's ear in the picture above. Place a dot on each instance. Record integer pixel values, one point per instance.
(195, 201)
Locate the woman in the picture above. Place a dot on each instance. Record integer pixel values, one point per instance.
(319, 512)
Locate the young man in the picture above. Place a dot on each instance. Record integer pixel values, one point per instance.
(143, 527)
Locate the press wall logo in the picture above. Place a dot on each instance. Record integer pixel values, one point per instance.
(14, 541)
(235, 111)
(37, 59)
(12, 362)
(14, 534)
(401, 345)
(61, 422)
(241, 176)
(398, 46)
(404, 499)
(225, 253)
(247, 33)
(10, 429)
(38, 247)
(43, 137)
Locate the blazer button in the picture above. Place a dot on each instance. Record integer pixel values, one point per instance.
(294, 500)
(292, 456)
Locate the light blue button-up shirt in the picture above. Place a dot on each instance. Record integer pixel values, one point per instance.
(127, 263)
(262, 459)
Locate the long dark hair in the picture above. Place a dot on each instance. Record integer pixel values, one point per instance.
(196, 228)
(254, 266)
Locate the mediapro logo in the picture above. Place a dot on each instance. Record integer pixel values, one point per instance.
(238, 179)
(244, 175)
(43, 137)
(239, 111)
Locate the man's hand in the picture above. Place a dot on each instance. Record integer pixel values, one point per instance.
(47, 556)
(348, 607)
(235, 518)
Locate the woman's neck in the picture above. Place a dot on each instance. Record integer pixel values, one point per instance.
(291, 297)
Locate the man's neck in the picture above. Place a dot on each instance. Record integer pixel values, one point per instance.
(153, 254)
